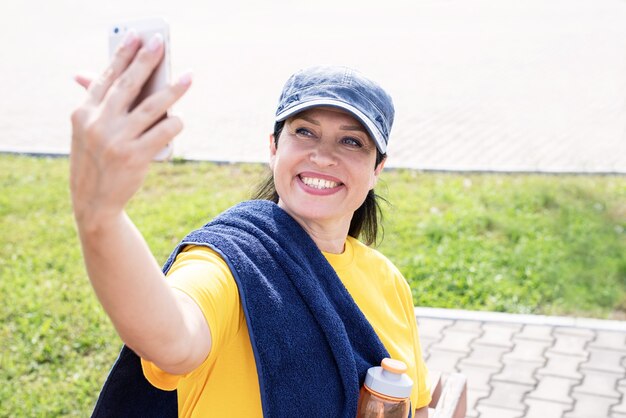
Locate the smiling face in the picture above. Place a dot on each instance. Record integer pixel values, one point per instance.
(323, 167)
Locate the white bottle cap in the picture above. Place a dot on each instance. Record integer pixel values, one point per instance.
(389, 379)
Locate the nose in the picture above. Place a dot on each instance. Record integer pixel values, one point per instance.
(323, 155)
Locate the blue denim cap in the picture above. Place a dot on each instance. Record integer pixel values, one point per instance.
(344, 88)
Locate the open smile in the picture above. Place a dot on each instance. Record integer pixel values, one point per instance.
(318, 183)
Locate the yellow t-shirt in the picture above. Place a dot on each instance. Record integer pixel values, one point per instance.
(226, 384)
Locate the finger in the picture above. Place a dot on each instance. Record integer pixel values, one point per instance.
(126, 88)
(83, 80)
(155, 106)
(156, 138)
(120, 61)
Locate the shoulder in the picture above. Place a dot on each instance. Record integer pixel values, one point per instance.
(196, 255)
(202, 273)
(370, 255)
(376, 262)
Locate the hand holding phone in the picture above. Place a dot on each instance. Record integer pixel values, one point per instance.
(145, 29)
(111, 148)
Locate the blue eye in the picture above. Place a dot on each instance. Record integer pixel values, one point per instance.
(303, 131)
(352, 141)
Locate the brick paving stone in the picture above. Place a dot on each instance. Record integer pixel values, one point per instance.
(604, 360)
(444, 361)
(570, 342)
(426, 342)
(517, 371)
(432, 327)
(498, 334)
(535, 371)
(485, 356)
(620, 408)
(486, 411)
(589, 406)
(469, 326)
(528, 350)
(553, 389)
(601, 384)
(584, 333)
(536, 332)
(473, 396)
(609, 340)
(562, 365)
(545, 409)
(507, 395)
(456, 341)
(478, 378)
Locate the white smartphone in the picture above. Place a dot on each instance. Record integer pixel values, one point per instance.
(160, 78)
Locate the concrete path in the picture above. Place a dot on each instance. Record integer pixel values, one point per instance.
(537, 85)
(528, 365)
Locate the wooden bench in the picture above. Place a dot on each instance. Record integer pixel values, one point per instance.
(449, 395)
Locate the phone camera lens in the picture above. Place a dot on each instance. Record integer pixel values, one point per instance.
(116, 30)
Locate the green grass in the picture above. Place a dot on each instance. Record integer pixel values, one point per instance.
(513, 243)
(523, 243)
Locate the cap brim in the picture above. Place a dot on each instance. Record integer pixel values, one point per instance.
(369, 125)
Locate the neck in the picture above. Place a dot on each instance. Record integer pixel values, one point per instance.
(329, 235)
(327, 243)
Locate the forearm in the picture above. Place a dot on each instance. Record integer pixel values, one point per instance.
(131, 286)
(111, 152)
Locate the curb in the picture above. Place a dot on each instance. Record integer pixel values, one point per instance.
(555, 321)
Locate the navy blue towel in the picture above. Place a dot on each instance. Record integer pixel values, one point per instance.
(311, 342)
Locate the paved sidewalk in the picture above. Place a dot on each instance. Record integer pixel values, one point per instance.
(528, 365)
(485, 85)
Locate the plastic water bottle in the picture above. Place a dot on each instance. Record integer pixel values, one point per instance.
(386, 391)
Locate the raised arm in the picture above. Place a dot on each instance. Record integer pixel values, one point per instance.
(111, 152)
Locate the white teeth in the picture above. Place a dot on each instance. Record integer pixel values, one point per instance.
(319, 183)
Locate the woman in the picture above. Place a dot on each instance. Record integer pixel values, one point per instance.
(271, 309)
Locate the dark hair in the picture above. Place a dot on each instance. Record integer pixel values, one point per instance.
(365, 220)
